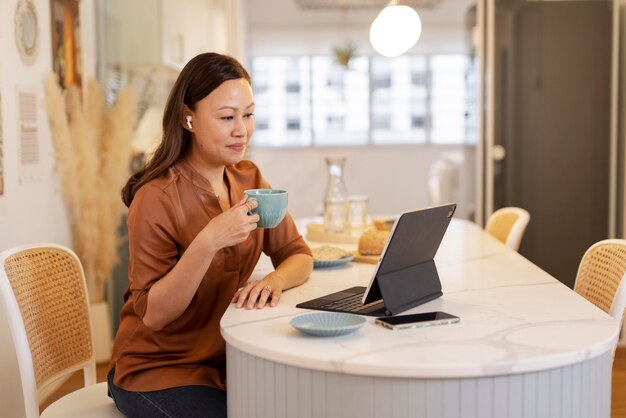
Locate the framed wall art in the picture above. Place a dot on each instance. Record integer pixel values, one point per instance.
(27, 31)
(30, 168)
(66, 45)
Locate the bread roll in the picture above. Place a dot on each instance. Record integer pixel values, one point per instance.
(372, 242)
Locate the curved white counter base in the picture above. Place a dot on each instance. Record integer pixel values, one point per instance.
(259, 388)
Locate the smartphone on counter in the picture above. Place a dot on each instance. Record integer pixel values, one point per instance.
(419, 320)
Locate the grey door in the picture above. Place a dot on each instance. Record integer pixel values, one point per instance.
(552, 110)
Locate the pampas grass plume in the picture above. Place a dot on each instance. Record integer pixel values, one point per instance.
(92, 153)
(65, 163)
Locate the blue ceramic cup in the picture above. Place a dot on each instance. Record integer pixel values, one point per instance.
(272, 206)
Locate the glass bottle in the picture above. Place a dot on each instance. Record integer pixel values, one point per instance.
(336, 197)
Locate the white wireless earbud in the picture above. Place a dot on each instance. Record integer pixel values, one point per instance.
(189, 122)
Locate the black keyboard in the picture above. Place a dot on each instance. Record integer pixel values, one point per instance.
(351, 303)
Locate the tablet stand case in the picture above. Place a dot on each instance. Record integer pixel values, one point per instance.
(418, 283)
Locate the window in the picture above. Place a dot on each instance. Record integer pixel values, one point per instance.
(412, 99)
(395, 103)
(283, 101)
(340, 99)
(447, 101)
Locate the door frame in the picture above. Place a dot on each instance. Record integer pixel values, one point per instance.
(617, 174)
(485, 22)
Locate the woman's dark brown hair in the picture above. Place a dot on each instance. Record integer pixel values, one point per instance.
(203, 74)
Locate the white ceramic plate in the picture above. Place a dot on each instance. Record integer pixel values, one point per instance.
(320, 264)
(327, 324)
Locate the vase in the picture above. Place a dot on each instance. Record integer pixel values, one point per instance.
(336, 197)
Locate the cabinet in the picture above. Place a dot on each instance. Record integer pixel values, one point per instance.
(169, 32)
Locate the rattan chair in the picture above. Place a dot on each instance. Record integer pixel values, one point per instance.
(600, 276)
(44, 296)
(508, 225)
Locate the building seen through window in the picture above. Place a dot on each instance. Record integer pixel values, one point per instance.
(412, 99)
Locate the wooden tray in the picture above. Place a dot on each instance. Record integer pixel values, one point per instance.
(369, 259)
(317, 232)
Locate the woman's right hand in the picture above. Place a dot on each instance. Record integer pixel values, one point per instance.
(230, 227)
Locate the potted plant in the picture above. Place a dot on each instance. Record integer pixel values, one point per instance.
(344, 53)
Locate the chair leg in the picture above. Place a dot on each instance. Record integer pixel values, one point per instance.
(89, 373)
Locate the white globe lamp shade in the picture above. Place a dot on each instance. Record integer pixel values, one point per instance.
(395, 30)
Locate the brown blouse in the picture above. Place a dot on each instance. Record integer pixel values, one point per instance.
(164, 217)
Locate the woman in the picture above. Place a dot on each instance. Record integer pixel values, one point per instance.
(193, 246)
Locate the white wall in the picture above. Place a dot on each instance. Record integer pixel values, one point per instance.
(30, 211)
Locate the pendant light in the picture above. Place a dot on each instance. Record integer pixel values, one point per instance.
(395, 30)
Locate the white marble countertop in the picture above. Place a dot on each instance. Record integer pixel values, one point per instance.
(515, 318)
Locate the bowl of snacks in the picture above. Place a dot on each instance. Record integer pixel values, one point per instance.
(328, 256)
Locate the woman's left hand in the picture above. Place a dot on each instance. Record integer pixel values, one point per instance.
(258, 293)
(291, 272)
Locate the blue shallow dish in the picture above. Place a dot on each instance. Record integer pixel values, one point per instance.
(327, 324)
(320, 264)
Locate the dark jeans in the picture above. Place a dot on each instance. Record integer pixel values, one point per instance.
(184, 402)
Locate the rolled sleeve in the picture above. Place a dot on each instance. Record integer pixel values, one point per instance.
(152, 229)
(284, 241)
